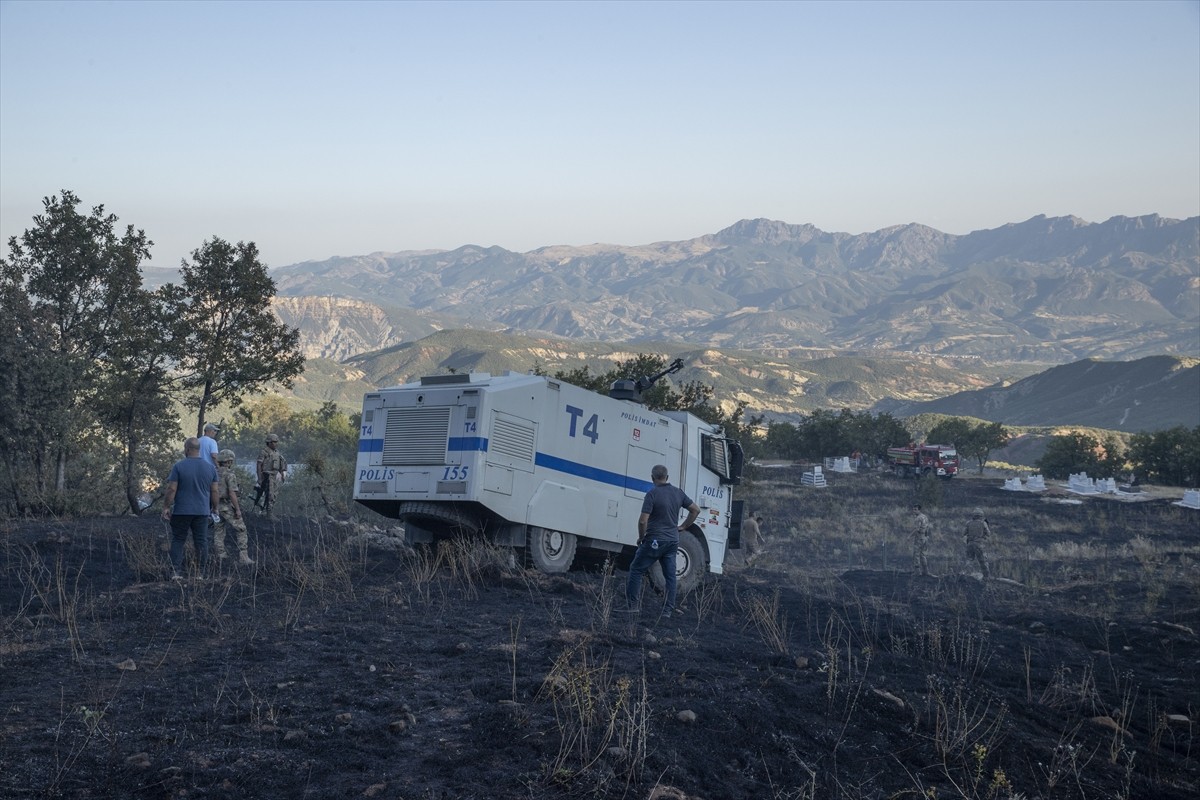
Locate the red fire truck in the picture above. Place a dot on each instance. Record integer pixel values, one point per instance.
(924, 459)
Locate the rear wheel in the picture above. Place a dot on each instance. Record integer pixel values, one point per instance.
(551, 551)
(690, 565)
(447, 516)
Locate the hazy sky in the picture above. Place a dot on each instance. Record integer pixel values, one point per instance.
(319, 129)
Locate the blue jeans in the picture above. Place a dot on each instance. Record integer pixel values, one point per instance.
(181, 525)
(650, 550)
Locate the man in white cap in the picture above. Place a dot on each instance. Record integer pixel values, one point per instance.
(208, 444)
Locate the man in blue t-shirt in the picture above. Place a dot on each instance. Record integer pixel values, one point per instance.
(190, 504)
(658, 536)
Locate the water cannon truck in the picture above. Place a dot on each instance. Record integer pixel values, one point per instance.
(552, 470)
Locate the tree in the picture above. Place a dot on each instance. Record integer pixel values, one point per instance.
(234, 344)
(985, 438)
(782, 440)
(1170, 457)
(692, 396)
(1114, 461)
(873, 435)
(659, 397)
(75, 273)
(970, 440)
(1070, 453)
(825, 433)
(30, 384)
(133, 401)
(952, 430)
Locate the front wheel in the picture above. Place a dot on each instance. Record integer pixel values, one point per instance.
(551, 551)
(690, 565)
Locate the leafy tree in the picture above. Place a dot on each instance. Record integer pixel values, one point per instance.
(30, 384)
(782, 440)
(952, 430)
(659, 397)
(1170, 457)
(921, 426)
(71, 274)
(693, 396)
(825, 433)
(984, 439)
(975, 441)
(1073, 452)
(1114, 461)
(873, 435)
(234, 344)
(133, 402)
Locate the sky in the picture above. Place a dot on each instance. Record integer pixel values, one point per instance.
(317, 129)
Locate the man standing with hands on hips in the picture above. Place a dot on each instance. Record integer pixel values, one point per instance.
(658, 536)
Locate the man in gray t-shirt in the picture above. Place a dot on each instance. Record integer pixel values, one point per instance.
(658, 536)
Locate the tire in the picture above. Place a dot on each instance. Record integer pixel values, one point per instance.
(551, 551)
(445, 515)
(900, 471)
(691, 563)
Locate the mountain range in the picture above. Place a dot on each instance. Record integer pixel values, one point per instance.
(1049, 290)
(1145, 394)
(1022, 324)
(780, 387)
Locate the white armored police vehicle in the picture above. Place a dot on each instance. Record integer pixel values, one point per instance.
(538, 464)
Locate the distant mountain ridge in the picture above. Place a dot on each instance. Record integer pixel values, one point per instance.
(776, 386)
(1147, 394)
(1152, 393)
(1047, 290)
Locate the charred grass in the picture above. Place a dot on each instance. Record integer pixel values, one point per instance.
(345, 664)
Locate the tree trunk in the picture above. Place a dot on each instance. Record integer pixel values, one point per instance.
(203, 408)
(60, 481)
(10, 465)
(132, 495)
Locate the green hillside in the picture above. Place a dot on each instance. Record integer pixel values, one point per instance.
(1150, 393)
(776, 386)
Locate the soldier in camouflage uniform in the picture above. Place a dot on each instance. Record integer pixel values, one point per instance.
(751, 538)
(977, 531)
(272, 471)
(230, 510)
(920, 539)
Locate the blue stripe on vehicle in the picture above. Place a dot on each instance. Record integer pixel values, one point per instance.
(455, 444)
(480, 443)
(591, 473)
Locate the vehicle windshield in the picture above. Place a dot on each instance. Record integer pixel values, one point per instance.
(949, 454)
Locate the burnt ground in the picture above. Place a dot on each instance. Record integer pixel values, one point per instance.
(342, 667)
